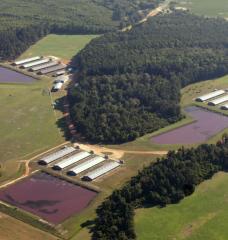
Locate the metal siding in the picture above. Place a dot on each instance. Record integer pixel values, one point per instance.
(73, 159)
(32, 64)
(210, 95)
(43, 66)
(27, 60)
(218, 100)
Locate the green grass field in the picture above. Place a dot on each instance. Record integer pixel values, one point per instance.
(28, 125)
(62, 46)
(210, 8)
(203, 215)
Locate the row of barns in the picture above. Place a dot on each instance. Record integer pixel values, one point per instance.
(75, 162)
(42, 65)
(215, 98)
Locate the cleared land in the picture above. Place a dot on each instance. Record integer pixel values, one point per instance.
(28, 125)
(21, 231)
(201, 216)
(206, 7)
(62, 46)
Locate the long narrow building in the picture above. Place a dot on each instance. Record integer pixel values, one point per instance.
(86, 165)
(71, 160)
(224, 107)
(27, 60)
(210, 96)
(56, 155)
(100, 171)
(36, 63)
(44, 66)
(218, 101)
(53, 69)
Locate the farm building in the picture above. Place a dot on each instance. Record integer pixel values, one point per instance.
(71, 160)
(56, 155)
(210, 96)
(27, 60)
(224, 107)
(36, 63)
(218, 101)
(57, 86)
(43, 66)
(100, 171)
(59, 73)
(53, 69)
(86, 165)
(63, 79)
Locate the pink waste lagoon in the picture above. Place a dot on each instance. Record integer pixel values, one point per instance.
(206, 125)
(48, 197)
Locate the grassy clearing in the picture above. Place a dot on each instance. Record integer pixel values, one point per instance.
(12, 228)
(62, 46)
(210, 8)
(191, 219)
(28, 124)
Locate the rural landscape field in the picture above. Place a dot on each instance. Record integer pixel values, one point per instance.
(114, 120)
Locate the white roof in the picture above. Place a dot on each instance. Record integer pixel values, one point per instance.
(56, 155)
(27, 60)
(50, 64)
(72, 159)
(86, 165)
(210, 95)
(219, 100)
(28, 65)
(53, 69)
(102, 170)
(58, 85)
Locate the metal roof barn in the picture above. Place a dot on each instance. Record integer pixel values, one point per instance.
(210, 96)
(53, 69)
(36, 63)
(57, 86)
(86, 165)
(63, 79)
(100, 171)
(27, 60)
(59, 73)
(218, 101)
(56, 155)
(43, 66)
(71, 160)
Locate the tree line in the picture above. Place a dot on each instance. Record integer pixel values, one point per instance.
(167, 181)
(129, 82)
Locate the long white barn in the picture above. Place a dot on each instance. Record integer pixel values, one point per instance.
(36, 63)
(71, 160)
(43, 66)
(56, 155)
(224, 107)
(218, 101)
(27, 60)
(86, 165)
(100, 171)
(210, 96)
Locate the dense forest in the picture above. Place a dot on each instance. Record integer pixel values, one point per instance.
(165, 182)
(24, 22)
(130, 82)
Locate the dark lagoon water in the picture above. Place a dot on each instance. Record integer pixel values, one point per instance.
(10, 76)
(46, 196)
(206, 125)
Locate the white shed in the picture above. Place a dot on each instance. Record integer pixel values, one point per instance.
(36, 63)
(218, 101)
(210, 96)
(27, 60)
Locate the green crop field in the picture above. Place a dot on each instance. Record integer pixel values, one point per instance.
(206, 7)
(201, 216)
(28, 125)
(62, 46)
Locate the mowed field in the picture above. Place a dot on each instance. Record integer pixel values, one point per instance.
(62, 46)
(12, 229)
(203, 215)
(28, 125)
(210, 8)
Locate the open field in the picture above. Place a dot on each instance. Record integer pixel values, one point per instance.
(62, 46)
(189, 93)
(11, 229)
(201, 216)
(206, 7)
(28, 125)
